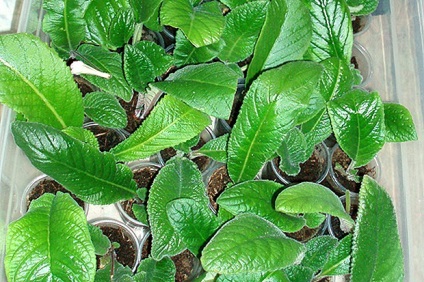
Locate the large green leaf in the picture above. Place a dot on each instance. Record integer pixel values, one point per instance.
(257, 197)
(120, 273)
(215, 148)
(399, 123)
(338, 262)
(108, 62)
(180, 178)
(38, 89)
(241, 31)
(109, 24)
(100, 241)
(143, 62)
(170, 123)
(202, 24)
(91, 175)
(310, 197)
(268, 112)
(256, 245)
(285, 36)
(186, 53)
(317, 129)
(362, 7)
(195, 222)
(272, 276)
(332, 30)
(50, 242)
(299, 273)
(318, 249)
(147, 12)
(377, 252)
(65, 24)
(235, 3)
(207, 87)
(151, 270)
(105, 110)
(357, 119)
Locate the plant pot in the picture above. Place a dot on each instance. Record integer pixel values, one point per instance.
(315, 169)
(361, 59)
(339, 183)
(144, 174)
(216, 180)
(107, 137)
(333, 223)
(361, 24)
(44, 184)
(128, 253)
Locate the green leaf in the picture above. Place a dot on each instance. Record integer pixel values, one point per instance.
(285, 36)
(147, 12)
(241, 31)
(140, 213)
(309, 197)
(83, 135)
(101, 242)
(216, 148)
(317, 129)
(257, 197)
(299, 273)
(171, 122)
(187, 145)
(235, 3)
(256, 245)
(202, 25)
(120, 273)
(91, 175)
(207, 87)
(314, 220)
(108, 24)
(186, 53)
(273, 276)
(332, 34)
(377, 252)
(64, 22)
(268, 112)
(362, 7)
(179, 178)
(317, 103)
(28, 87)
(399, 124)
(317, 252)
(194, 222)
(293, 151)
(357, 119)
(105, 110)
(50, 243)
(151, 270)
(338, 262)
(143, 62)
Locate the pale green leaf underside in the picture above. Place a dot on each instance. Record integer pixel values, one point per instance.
(34, 81)
(377, 252)
(309, 197)
(37, 250)
(399, 123)
(256, 245)
(91, 175)
(170, 123)
(105, 110)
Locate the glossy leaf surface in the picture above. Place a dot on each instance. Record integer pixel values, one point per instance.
(37, 250)
(272, 276)
(105, 110)
(37, 90)
(257, 197)
(210, 88)
(202, 24)
(398, 123)
(310, 197)
(377, 252)
(317, 129)
(285, 36)
(148, 12)
(179, 178)
(143, 62)
(362, 7)
(357, 119)
(256, 246)
(150, 270)
(338, 262)
(234, 3)
(65, 24)
(241, 31)
(299, 273)
(108, 62)
(216, 148)
(83, 135)
(91, 175)
(171, 122)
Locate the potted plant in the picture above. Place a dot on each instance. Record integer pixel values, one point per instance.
(298, 81)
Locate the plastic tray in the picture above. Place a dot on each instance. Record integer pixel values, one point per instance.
(394, 41)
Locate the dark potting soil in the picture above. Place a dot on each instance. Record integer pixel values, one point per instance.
(126, 253)
(108, 138)
(343, 159)
(216, 184)
(335, 222)
(184, 265)
(304, 234)
(202, 162)
(84, 86)
(144, 178)
(133, 121)
(147, 248)
(358, 24)
(49, 186)
(354, 62)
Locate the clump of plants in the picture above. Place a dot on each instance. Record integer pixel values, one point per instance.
(300, 88)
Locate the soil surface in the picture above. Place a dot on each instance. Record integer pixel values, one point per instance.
(184, 264)
(147, 248)
(49, 186)
(133, 120)
(304, 234)
(216, 184)
(126, 253)
(335, 222)
(108, 138)
(84, 86)
(358, 24)
(354, 62)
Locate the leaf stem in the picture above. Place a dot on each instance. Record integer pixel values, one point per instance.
(138, 33)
